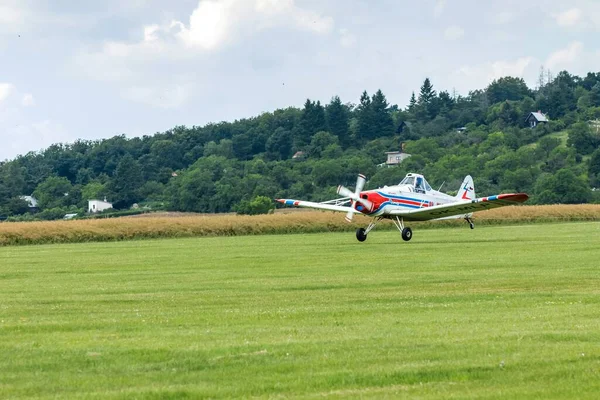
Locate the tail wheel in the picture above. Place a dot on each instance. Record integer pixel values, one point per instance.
(406, 234)
(361, 234)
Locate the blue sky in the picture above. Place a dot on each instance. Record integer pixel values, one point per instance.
(92, 70)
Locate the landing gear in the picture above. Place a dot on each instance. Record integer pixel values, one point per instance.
(470, 221)
(361, 233)
(405, 231)
(406, 234)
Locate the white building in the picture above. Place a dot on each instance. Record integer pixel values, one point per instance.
(95, 206)
(396, 157)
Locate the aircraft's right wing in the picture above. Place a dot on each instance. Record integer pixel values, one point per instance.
(460, 208)
(318, 206)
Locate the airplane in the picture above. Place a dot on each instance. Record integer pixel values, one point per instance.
(412, 199)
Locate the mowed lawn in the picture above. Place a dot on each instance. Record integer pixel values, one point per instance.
(497, 312)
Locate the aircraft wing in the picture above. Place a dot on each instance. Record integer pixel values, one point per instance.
(318, 206)
(460, 208)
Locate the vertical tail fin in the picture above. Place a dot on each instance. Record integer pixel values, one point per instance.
(467, 189)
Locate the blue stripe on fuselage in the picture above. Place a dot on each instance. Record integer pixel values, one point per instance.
(382, 205)
(390, 196)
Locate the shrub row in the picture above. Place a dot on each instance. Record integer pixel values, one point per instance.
(157, 226)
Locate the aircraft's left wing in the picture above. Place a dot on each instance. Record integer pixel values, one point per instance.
(318, 206)
(460, 208)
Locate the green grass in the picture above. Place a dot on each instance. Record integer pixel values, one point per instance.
(498, 312)
(563, 136)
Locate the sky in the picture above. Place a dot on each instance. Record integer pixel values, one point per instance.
(89, 70)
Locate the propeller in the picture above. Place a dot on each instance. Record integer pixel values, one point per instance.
(355, 196)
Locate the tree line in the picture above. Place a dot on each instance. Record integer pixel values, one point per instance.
(306, 152)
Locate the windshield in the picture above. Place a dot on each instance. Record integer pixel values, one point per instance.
(420, 182)
(427, 187)
(409, 180)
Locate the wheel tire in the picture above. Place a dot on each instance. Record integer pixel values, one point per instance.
(361, 235)
(471, 225)
(406, 234)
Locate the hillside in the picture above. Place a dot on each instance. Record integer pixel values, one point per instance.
(305, 153)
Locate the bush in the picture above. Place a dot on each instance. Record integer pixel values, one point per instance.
(53, 213)
(258, 205)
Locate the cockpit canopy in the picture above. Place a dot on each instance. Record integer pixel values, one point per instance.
(417, 182)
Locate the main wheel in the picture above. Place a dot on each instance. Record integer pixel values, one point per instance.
(361, 234)
(406, 234)
(471, 225)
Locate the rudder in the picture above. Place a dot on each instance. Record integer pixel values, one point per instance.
(467, 189)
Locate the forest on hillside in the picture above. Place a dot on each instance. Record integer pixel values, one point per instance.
(305, 153)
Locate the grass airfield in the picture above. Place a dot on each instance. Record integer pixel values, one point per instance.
(497, 312)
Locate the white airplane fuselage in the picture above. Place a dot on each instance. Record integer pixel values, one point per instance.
(391, 198)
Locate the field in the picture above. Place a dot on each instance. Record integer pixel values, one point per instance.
(498, 312)
(287, 220)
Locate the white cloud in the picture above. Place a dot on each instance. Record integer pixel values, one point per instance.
(454, 32)
(439, 7)
(160, 97)
(347, 39)
(564, 58)
(11, 16)
(6, 90)
(216, 22)
(27, 100)
(569, 18)
(210, 24)
(504, 17)
(138, 67)
(282, 12)
(21, 135)
(469, 77)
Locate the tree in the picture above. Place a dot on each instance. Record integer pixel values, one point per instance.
(383, 124)
(16, 206)
(563, 187)
(426, 93)
(445, 103)
(242, 146)
(54, 192)
(507, 88)
(167, 153)
(558, 97)
(427, 106)
(12, 176)
(583, 139)
(594, 95)
(193, 192)
(94, 190)
(258, 205)
(312, 121)
(594, 168)
(547, 144)
(280, 144)
(319, 142)
(365, 118)
(509, 114)
(412, 103)
(125, 183)
(337, 121)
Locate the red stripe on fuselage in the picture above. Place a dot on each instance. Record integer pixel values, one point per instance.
(378, 200)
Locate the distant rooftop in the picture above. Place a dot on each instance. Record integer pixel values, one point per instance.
(539, 116)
